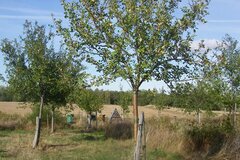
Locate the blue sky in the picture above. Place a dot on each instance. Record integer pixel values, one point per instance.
(223, 18)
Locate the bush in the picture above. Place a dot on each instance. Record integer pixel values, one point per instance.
(119, 130)
(209, 138)
(231, 148)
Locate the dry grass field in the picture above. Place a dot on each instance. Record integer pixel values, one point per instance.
(14, 108)
(165, 134)
(23, 109)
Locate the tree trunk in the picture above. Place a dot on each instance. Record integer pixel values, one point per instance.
(135, 112)
(52, 121)
(41, 108)
(90, 122)
(37, 132)
(38, 125)
(80, 117)
(89, 119)
(47, 122)
(144, 147)
(231, 115)
(198, 116)
(140, 143)
(234, 116)
(96, 121)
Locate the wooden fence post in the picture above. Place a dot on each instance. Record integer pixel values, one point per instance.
(140, 150)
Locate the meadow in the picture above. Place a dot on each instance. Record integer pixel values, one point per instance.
(170, 135)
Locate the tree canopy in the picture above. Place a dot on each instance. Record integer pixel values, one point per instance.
(37, 73)
(34, 68)
(89, 100)
(229, 62)
(135, 40)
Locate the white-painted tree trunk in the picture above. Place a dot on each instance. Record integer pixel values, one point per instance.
(89, 121)
(198, 116)
(140, 150)
(52, 121)
(38, 125)
(47, 122)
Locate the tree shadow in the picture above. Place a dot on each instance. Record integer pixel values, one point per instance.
(54, 146)
(5, 154)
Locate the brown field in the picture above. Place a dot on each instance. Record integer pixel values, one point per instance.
(149, 111)
(165, 136)
(14, 108)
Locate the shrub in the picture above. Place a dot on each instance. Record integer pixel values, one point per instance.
(119, 130)
(231, 148)
(209, 138)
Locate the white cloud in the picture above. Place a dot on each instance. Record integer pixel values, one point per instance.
(224, 21)
(209, 43)
(28, 17)
(23, 17)
(28, 13)
(31, 11)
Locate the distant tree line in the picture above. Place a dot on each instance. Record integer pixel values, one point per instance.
(203, 95)
(109, 97)
(147, 97)
(7, 95)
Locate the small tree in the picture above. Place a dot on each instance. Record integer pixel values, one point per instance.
(228, 56)
(65, 76)
(204, 95)
(124, 101)
(160, 100)
(145, 97)
(135, 40)
(5, 94)
(89, 101)
(224, 68)
(36, 72)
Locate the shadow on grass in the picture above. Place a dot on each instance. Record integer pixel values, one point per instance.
(2, 152)
(5, 154)
(54, 146)
(3, 135)
(89, 130)
(88, 137)
(158, 153)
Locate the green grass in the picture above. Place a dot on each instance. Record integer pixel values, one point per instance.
(4, 133)
(63, 144)
(166, 141)
(88, 136)
(160, 154)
